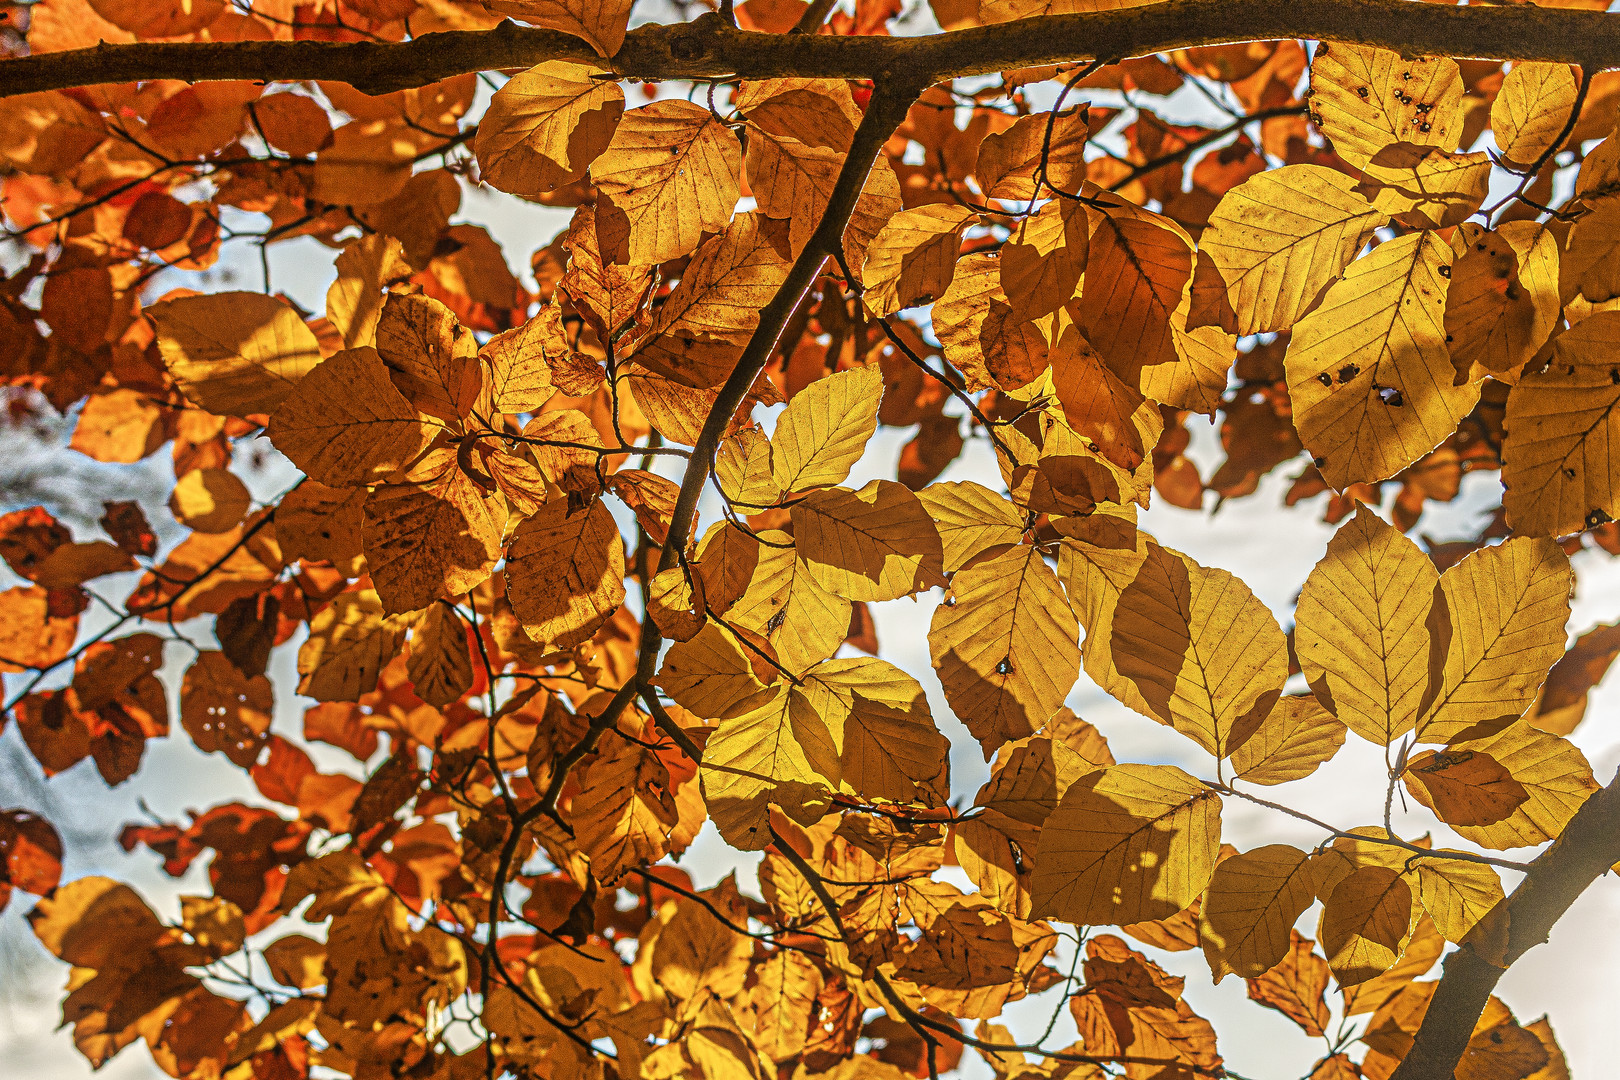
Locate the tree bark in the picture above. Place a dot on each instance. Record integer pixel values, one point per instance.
(1587, 848)
(708, 48)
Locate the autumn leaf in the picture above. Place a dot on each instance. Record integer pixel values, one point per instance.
(874, 544)
(1530, 109)
(912, 259)
(1250, 907)
(1364, 923)
(1364, 99)
(1368, 369)
(546, 126)
(1127, 843)
(565, 572)
(599, 22)
(1005, 645)
(346, 424)
(234, 353)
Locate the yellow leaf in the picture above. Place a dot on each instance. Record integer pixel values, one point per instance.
(1508, 607)
(792, 180)
(434, 537)
(1127, 843)
(1368, 370)
(431, 358)
(543, 128)
(346, 425)
(565, 573)
(234, 353)
(675, 603)
(349, 642)
(91, 921)
(1250, 908)
(668, 177)
(1207, 657)
(1561, 454)
(1425, 187)
(1008, 160)
(1503, 302)
(519, 362)
(1045, 256)
(1030, 776)
(1530, 111)
(601, 23)
(818, 112)
(296, 961)
(743, 467)
(912, 259)
(1138, 272)
(709, 675)
(874, 544)
(1281, 236)
(1364, 923)
(624, 809)
(1554, 774)
(825, 428)
(1005, 644)
(759, 759)
(983, 337)
(782, 601)
(1458, 896)
(1589, 266)
(209, 500)
(440, 663)
(320, 523)
(784, 1003)
(1365, 627)
(887, 748)
(355, 300)
(708, 318)
(970, 519)
(1364, 99)
(1296, 736)
(1099, 559)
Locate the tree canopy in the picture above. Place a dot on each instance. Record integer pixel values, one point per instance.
(574, 566)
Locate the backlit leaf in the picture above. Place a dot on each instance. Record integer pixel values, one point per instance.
(1363, 99)
(874, 544)
(565, 572)
(234, 353)
(1250, 907)
(912, 259)
(543, 128)
(1530, 110)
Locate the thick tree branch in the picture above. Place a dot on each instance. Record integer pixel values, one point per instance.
(1588, 846)
(708, 48)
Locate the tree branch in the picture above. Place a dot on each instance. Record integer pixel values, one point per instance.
(707, 48)
(1588, 846)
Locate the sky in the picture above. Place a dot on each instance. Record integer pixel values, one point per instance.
(1575, 977)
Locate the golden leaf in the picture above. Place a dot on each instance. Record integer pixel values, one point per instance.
(874, 544)
(743, 467)
(668, 177)
(1280, 237)
(1296, 736)
(912, 258)
(982, 335)
(1127, 843)
(825, 428)
(1363, 99)
(1364, 923)
(1530, 111)
(1365, 627)
(440, 663)
(792, 179)
(346, 425)
(1045, 256)
(710, 676)
(1005, 644)
(1207, 657)
(224, 710)
(970, 519)
(431, 358)
(1008, 160)
(624, 809)
(1425, 187)
(1553, 773)
(783, 602)
(1502, 303)
(355, 300)
(209, 500)
(1250, 908)
(565, 573)
(1464, 787)
(32, 634)
(601, 23)
(1559, 458)
(1368, 370)
(320, 523)
(784, 1003)
(1297, 986)
(349, 643)
(435, 537)
(543, 128)
(1458, 896)
(234, 353)
(1508, 607)
(1099, 406)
